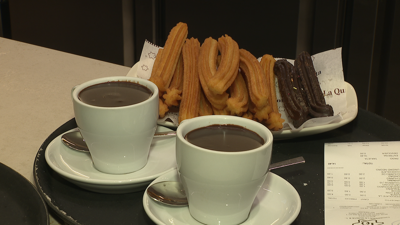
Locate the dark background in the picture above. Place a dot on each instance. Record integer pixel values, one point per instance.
(114, 31)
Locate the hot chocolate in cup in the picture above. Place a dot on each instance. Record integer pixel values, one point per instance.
(117, 117)
(221, 185)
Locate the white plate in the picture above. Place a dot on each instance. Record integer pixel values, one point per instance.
(352, 110)
(277, 203)
(77, 167)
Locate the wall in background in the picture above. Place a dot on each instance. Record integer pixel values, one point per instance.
(114, 31)
(88, 28)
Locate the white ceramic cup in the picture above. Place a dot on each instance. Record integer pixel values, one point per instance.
(221, 186)
(118, 138)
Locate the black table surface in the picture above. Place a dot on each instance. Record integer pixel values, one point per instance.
(78, 206)
(20, 202)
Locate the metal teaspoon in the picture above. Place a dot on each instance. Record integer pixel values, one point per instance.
(75, 141)
(171, 192)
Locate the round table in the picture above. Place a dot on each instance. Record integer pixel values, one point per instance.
(78, 206)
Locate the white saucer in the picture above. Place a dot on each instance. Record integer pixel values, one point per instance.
(77, 167)
(277, 203)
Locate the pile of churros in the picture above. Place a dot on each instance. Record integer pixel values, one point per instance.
(215, 77)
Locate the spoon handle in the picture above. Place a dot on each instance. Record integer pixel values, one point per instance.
(288, 162)
(165, 134)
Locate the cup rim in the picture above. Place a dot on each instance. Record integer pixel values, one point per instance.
(147, 83)
(185, 123)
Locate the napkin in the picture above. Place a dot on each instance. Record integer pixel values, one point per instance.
(328, 66)
(143, 68)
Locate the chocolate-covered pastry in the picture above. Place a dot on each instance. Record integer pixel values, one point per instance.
(300, 90)
(310, 87)
(291, 96)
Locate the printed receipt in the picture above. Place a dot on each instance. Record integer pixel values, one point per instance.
(362, 183)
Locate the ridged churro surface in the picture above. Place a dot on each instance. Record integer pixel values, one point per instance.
(239, 96)
(189, 107)
(257, 85)
(274, 121)
(164, 66)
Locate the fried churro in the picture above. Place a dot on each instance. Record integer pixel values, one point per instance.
(227, 66)
(172, 97)
(237, 103)
(248, 115)
(155, 78)
(219, 80)
(177, 79)
(223, 111)
(189, 107)
(162, 108)
(165, 64)
(207, 67)
(257, 85)
(173, 94)
(267, 64)
(205, 107)
(274, 121)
